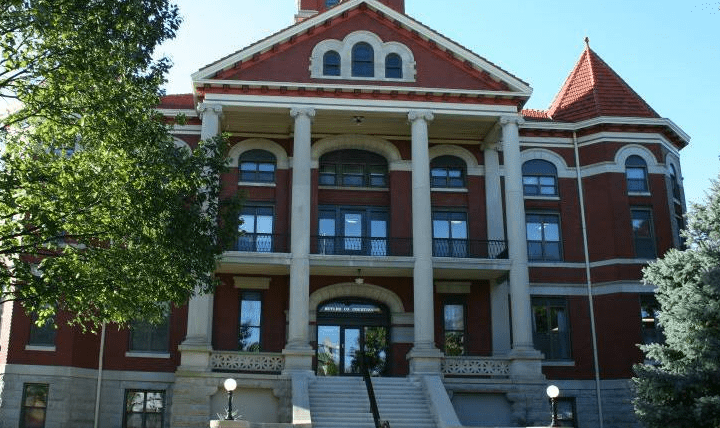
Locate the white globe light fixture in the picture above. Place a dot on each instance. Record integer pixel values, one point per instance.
(230, 384)
(553, 392)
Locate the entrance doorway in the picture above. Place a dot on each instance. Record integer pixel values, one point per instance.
(350, 331)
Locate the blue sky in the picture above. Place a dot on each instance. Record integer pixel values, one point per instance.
(667, 51)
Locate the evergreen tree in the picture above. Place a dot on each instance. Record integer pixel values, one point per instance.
(681, 387)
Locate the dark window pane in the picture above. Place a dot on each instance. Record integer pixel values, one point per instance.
(43, 335)
(643, 233)
(34, 418)
(551, 328)
(250, 321)
(393, 66)
(34, 404)
(363, 60)
(331, 63)
(257, 166)
(539, 178)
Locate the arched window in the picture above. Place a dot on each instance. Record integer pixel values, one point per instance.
(393, 66)
(447, 171)
(331, 63)
(675, 183)
(636, 174)
(363, 60)
(353, 168)
(257, 166)
(539, 178)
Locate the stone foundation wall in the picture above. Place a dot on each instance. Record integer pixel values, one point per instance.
(528, 403)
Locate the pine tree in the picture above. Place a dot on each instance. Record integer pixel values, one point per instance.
(681, 387)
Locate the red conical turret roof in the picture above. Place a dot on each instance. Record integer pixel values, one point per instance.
(593, 89)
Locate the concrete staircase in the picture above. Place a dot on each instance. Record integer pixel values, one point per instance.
(342, 402)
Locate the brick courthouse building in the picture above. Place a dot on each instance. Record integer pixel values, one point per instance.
(398, 199)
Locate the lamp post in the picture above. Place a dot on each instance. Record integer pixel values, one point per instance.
(553, 392)
(230, 386)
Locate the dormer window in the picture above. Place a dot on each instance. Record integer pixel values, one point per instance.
(331, 63)
(362, 55)
(393, 66)
(363, 64)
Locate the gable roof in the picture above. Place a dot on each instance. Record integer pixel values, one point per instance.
(517, 86)
(593, 89)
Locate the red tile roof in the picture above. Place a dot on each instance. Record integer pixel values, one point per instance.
(177, 101)
(533, 114)
(592, 90)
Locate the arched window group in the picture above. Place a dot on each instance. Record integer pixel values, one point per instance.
(363, 63)
(353, 168)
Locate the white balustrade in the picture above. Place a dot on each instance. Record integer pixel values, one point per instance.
(247, 362)
(475, 366)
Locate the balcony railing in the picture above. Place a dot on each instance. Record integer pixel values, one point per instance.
(262, 243)
(469, 248)
(373, 246)
(246, 362)
(362, 246)
(476, 367)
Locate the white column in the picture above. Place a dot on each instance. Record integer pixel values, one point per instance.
(297, 351)
(496, 231)
(517, 241)
(424, 357)
(493, 194)
(198, 341)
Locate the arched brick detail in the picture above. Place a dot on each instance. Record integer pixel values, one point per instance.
(359, 142)
(352, 289)
(281, 156)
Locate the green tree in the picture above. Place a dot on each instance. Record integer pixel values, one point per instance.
(100, 214)
(682, 387)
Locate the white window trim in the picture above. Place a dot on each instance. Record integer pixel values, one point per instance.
(41, 348)
(138, 354)
(381, 50)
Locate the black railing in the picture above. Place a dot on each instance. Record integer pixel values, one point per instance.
(262, 243)
(371, 393)
(362, 246)
(469, 248)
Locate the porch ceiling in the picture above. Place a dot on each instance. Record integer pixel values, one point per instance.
(270, 121)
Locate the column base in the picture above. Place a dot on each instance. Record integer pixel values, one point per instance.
(298, 359)
(425, 361)
(194, 357)
(526, 364)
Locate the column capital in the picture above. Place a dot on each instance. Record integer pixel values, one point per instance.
(491, 146)
(210, 108)
(296, 112)
(517, 120)
(425, 115)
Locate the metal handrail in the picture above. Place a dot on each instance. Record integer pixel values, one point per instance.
(371, 393)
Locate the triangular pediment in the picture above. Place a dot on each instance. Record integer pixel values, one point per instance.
(287, 56)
